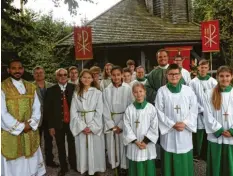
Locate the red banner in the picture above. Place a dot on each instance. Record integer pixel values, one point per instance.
(210, 36)
(184, 51)
(83, 43)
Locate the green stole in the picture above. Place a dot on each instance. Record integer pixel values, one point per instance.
(20, 107)
(138, 105)
(207, 77)
(174, 89)
(141, 79)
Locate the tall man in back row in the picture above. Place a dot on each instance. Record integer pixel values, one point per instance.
(20, 116)
(157, 77)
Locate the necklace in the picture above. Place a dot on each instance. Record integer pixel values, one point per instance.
(226, 109)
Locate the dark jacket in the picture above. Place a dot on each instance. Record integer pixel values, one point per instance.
(53, 105)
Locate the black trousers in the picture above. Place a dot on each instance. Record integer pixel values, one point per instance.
(60, 140)
(48, 145)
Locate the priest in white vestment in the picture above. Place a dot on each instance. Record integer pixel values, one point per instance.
(20, 116)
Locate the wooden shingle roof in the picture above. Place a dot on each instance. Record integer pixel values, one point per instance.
(130, 22)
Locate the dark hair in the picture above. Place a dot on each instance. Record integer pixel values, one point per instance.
(161, 50)
(105, 75)
(14, 60)
(217, 96)
(130, 62)
(80, 88)
(116, 67)
(173, 67)
(126, 70)
(204, 62)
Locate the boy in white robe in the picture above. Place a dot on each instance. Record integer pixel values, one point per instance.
(200, 85)
(116, 97)
(219, 125)
(176, 105)
(87, 126)
(140, 134)
(185, 73)
(26, 159)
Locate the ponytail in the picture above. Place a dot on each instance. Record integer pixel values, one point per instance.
(217, 97)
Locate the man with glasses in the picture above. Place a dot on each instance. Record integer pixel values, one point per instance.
(73, 75)
(177, 110)
(95, 71)
(41, 87)
(57, 111)
(185, 73)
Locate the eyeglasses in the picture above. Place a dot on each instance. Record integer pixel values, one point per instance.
(60, 75)
(173, 74)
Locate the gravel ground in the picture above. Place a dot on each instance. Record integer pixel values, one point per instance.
(199, 167)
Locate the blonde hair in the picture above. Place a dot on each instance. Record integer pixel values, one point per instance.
(138, 84)
(217, 96)
(105, 75)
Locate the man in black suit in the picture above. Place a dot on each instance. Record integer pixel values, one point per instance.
(57, 112)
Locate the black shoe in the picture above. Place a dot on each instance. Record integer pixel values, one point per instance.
(53, 165)
(62, 173)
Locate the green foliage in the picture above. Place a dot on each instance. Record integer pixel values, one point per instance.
(223, 11)
(33, 38)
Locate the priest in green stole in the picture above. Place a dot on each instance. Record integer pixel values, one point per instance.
(157, 77)
(219, 125)
(176, 106)
(20, 116)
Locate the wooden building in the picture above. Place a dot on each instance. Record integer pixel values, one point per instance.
(136, 29)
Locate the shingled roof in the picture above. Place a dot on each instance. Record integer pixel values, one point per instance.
(130, 22)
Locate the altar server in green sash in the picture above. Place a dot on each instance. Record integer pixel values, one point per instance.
(87, 125)
(140, 134)
(200, 85)
(219, 125)
(176, 105)
(20, 116)
(116, 97)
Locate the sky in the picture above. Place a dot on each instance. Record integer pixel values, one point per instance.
(61, 13)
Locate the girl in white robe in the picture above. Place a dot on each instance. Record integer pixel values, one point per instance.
(87, 126)
(106, 76)
(140, 134)
(219, 125)
(117, 96)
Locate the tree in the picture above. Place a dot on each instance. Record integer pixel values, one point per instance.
(223, 11)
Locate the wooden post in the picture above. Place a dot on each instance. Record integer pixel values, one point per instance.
(143, 59)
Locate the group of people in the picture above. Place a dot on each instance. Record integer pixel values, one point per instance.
(121, 117)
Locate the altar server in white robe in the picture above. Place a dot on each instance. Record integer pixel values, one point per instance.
(106, 76)
(176, 105)
(87, 125)
(200, 85)
(140, 134)
(20, 116)
(219, 125)
(117, 97)
(185, 73)
(140, 76)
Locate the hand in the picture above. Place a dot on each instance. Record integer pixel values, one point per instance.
(179, 126)
(144, 145)
(117, 130)
(87, 131)
(27, 127)
(52, 132)
(226, 134)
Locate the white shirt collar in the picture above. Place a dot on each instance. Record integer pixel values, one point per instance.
(63, 87)
(19, 85)
(164, 67)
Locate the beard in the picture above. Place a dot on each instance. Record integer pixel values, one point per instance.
(14, 77)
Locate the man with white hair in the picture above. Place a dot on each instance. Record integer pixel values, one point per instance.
(57, 112)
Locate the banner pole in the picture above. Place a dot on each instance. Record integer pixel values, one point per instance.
(82, 64)
(211, 64)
